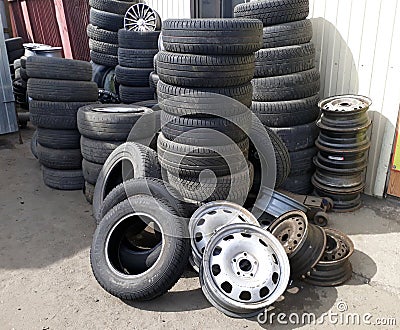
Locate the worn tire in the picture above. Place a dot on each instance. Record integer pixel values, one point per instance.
(289, 87)
(88, 191)
(302, 161)
(91, 171)
(242, 94)
(136, 58)
(287, 34)
(13, 44)
(34, 144)
(299, 184)
(62, 90)
(298, 137)
(97, 151)
(112, 6)
(212, 36)
(284, 60)
(105, 20)
(95, 33)
(188, 70)
(154, 78)
(58, 68)
(129, 95)
(58, 139)
(54, 115)
(103, 47)
(104, 59)
(133, 77)
(112, 126)
(143, 162)
(161, 274)
(63, 179)
(138, 40)
(67, 159)
(272, 12)
(15, 55)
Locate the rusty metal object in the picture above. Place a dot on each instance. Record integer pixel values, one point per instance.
(334, 268)
(343, 150)
(303, 242)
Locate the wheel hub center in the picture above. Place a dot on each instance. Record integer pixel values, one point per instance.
(141, 22)
(244, 265)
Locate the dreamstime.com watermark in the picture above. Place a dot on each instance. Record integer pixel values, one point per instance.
(341, 317)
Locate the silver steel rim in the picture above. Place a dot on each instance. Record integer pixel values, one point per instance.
(120, 109)
(244, 270)
(141, 17)
(106, 246)
(210, 218)
(345, 103)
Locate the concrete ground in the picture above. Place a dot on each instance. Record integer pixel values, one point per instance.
(46, 281)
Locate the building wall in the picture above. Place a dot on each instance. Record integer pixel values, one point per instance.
(170, 8)
(358, 51)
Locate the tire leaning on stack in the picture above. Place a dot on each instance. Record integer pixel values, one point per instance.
(286, 83)
(55, 101)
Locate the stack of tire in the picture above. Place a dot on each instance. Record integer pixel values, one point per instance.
(104, 127)
(58, 88)
(286, 84)
(136, 59)
(20, 83)
(203, 57)
(15, 50)
(106, 18)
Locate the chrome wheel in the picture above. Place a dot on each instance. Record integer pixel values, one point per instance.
(142, 18)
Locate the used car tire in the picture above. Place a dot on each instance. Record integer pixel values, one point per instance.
(302, 161)
(67, 159)
(129, 94)
(88, 191)
(104, 59)
(95, 33)
(58, 139)
(136, 58)
(103, 47)
(137, 39)
(91, 171)
(134, 77)
(113, 6)
(63, 179)
(97, 151)
(299, 184)
(106, 20)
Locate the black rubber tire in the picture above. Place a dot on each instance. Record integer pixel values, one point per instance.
(58, 139)
(58, 68)
(23, 61)
(272, 12)
(299, 184)
(242, 93)
(97, 151)
(287, 34)
(13, 44)
(187, 70)
(17, 74)
(188, 130)
(136, 58)
(287, 113)
(233, 188)
(20, 85)
(15, 55)
(284, 60)
(62, 90)
(129, 95)
(91, 171)
(54, 115)
(298, 137)
(289, 87)
(102, 35)
(145, 186)
(189, 161)
(17, 64)
(24, 74)
(99, 73)
(302, 161)
(105, 20)
(104, 59)
(112, 126)
(67, 159)
(63, 179)
(154, 78)
(34, 144)
(113, 6)
(143, 160)
(103, 47)
(164, 272)
(88, 191)
(212, 36)
(133, 77)
(261, 158)
(138, 40)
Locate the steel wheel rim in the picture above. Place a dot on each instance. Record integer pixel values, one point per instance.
(345, 104)
(140, 17)
(244, 270)
(208, 219)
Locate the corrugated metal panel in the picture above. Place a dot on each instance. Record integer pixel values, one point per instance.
(17, 21)
(358, 51)
(170, 8)
(77, 15)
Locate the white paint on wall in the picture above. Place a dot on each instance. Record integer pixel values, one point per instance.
(170, 8)
(358, 52)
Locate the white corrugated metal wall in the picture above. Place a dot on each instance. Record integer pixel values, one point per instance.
(171, 8)
(358, 51)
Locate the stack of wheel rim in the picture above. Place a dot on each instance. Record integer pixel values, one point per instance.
(286, 83)
(203, 149)
(106, 18)
(343, 146)
(58, 88)
(136, 59)
(104, 127)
